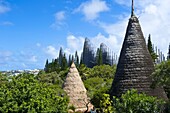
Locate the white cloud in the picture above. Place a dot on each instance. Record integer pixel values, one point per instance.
(154, 18)
(3, 7)
(33, 59)
(5, 57)
(59, 16)
(92, 9)
(5, 53)
(118, 29)
(52, 51)
(74, 44)
(6, 23)
(38, 44)
(111, 42)
(155, 21)
(24, 65)
(151, 9)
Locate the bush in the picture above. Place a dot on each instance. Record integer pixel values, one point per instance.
(24, 94)
(132, 102)
(161, 76)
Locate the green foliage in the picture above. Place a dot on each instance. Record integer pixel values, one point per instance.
(151, 49)
(53, 66)
(46, 66)
(53, 79)
(97, 80)
(76, 59)
(50, 78)
(84, 72)
(133, 102)
(103, 71)
(61, 63)
(58, 64)
(3, 79)
(106, 104)
(167, 106)
(69, 60)
(99, 58)
(64, 64)
(161, 76)
(60, 58)
(96, 87)
(24, 93)
(72, 107)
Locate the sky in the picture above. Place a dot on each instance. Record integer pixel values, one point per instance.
(32, 31)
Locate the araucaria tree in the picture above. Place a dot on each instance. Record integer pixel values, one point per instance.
(151, 49)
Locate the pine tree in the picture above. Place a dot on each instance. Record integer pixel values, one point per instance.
(72, 58)
(46, 69)
(69, 60)
(150, 44)
(76, 59)
(56, 65)
(60, 56)
(99, 57)
(81, 59)
(52, 65)
(64, 63)
(151, 49)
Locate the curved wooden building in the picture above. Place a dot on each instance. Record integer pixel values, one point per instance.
(135, 63)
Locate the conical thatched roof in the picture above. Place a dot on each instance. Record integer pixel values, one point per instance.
(75, 89)
(135, 64)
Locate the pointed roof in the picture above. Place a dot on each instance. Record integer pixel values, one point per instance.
(132, 11)
(135, 63)
(75, 89)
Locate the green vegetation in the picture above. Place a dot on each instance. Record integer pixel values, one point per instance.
(44, 93)
(151, 49)
(99, 58)
(132, 102)
(106, 104)
(97, 80)
(161, 76)
(24, 93)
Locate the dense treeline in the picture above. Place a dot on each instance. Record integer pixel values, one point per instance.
(88, 58)
(30, 93)
(44, 93)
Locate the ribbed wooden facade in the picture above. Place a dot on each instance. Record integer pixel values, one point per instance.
(135, 64)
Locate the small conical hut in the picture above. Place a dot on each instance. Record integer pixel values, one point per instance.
(135, 63)
(75, 89)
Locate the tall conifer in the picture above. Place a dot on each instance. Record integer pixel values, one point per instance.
(64, 64)
(76, 59)
(60, 56)
(151, 49)
(46, 69)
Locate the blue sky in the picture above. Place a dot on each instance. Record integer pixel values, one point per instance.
(32, 31)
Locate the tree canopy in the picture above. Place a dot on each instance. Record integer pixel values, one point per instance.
(161, 76)
(24, 93)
